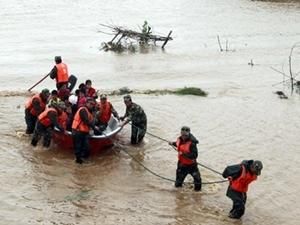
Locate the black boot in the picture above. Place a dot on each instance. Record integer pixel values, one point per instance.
(79, 160)
(34, 142)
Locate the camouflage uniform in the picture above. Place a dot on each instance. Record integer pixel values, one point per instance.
(138, 118)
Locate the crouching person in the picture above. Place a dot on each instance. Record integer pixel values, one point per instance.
(47, 120)
(103, 115)
(187, 154)
(240, 176)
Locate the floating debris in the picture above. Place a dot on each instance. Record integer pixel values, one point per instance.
(126, 39)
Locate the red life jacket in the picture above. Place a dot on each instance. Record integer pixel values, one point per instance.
(62, 73)
(90, 92)
(29, 105)
(241, 183)
(43, 117)
(105, 111)
(78, 124)
(184, 148)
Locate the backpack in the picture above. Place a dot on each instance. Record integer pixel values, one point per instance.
(232, 171)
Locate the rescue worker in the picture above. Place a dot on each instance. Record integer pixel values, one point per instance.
(103, 115)
(187, 154)
(240, 176)
(34, 107)
(47, 120)
(82, 123)
(60, 73)
(63, 117)
(138, 118)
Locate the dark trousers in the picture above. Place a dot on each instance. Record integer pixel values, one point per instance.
(41, 131)
(59, 85)
(30, 122)
(138, 132)
(183, 170)
(239, 200)
(81, 144)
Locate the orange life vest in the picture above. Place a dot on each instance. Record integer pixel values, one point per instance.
(105, 111)
(184, 148)
(78, 124)
(62, 73)
(241, 183)
(29, 105)
(43, 117)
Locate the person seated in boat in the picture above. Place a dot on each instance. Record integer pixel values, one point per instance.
(82, 87)
(64, 116)
(82, 124)
(81, 98)
(34, 107)
(135, 114)
(70, 116)
(60, 73)
(47, 120)
(63, 93)
(186, 145)
(71, 108)
(53, 98)
(104, 111)
(89, 90)
(73, 100)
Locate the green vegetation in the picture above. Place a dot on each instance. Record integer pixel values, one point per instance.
(179, 91)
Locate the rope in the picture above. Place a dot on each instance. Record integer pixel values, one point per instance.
(159, 176)
(165, 178)
(162, 139)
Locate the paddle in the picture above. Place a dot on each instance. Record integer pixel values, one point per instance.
(39, 82)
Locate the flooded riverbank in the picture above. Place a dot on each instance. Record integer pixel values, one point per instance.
(241, 118)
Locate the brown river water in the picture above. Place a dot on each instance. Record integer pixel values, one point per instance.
(241, 118)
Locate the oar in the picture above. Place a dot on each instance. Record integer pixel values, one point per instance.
(39, 81)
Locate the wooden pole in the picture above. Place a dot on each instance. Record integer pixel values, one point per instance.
(120, 39)
(166, 41)
(115, 37)
(219, 43)
(291, 74)
(39, 82)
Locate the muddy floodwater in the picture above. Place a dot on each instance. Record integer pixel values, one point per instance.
(241, 118)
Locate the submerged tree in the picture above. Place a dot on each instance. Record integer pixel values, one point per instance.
(290, 78)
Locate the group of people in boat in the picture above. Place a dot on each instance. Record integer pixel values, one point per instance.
(81, 112)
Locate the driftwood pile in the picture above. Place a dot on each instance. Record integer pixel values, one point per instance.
(127, 39)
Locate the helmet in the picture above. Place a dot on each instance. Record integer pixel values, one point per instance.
(57, 59)
(103, 96)
(127, 97)
(185, 131)
(186, 128)
(73, 99)
(257, 166)
(45, 92)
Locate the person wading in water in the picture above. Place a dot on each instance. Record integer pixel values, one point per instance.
(187, 154)
(240, 176)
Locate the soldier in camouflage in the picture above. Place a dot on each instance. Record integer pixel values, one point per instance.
(138, 118)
